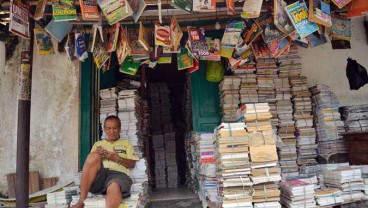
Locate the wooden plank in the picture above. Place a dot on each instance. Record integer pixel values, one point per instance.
(11, 184)
(34, 183)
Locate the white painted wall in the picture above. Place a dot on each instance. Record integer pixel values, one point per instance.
(322, 65)
(54, 144)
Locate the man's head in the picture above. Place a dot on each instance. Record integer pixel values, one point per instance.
(112, 127)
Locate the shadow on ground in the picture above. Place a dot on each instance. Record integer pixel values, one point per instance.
(192, 203)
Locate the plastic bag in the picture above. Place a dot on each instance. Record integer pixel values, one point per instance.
(215, 71)
(357, 74)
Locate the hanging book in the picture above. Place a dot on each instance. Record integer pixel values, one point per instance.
(113, 39)
(100, 54)
(250, 32)
(204, 5)
(195, 66)
(70, 46)
(358, 8)
(80, 47)
(319, 12)
(214, 50)
(341, 3)
(43, 42)
(298, 14)
(260, 48)
(165, 58)
(277, 47)
(281, 19)
(270, 31)
(143, 38)
(89, 10)
(198, 42)
(138, 7)
(186, 5)
(19, 18)
(341, 27)
(230, 38)
(162, 35)
(58, 30)
(230, 7)
(303, 42)
(184, 59)
(93, 37)
(123, 48)
(316, 39)
(176, 33)
(129, 66)
(63, 10)
(251, 9)
(137, 50)
(115, 10)
(40, 9)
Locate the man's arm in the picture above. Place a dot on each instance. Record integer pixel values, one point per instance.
(113, 156)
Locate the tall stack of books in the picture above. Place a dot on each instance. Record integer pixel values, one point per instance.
(327, 121)
(139, 190)
(172, 166)
(232, 163)
(143, 118)
(245, 69)
(60, 199)
(229, 97)
(328, 196)
(108, 105)
(355, 117)
(191, 168)
(248, 89)
(297, 193)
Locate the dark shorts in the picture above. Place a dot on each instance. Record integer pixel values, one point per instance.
(106, 176)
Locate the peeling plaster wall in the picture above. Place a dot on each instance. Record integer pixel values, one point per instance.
(54, 136)
(322, 65)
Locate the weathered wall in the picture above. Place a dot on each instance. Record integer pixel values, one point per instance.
(322, 65)
(54, 136)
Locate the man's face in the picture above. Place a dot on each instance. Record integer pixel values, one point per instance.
(112, 129)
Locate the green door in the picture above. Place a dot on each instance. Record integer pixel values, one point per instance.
(205, 101)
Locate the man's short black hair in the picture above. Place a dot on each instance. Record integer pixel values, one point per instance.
(113, 118)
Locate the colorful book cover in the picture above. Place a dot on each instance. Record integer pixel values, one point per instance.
(341, 27)
(358, 8)
(281, 19)
(40, 9)
(315, 39)
(230, 7)
(198, 42)
(58, 30)
(129, 66)
(43, 42)
(204, 5)
(184, 59)
(137, 50)
(19, 18)
(143, 38)
(176, 33)
(70, 46)
(277, 47)
(214, 48)
(260, 48)
(80, 47)
(100, 54)
(250, 32)
(270, 31)
(123, 48)
(298, 14)
(165, 58)
(319, 12)
(89, 10)
(230, 38)
(341, 3)
(138, 7)
(186, 5)
(63, 10)
(113, 39)
(162, 35)
(115, 10)
(251, 9)
(195, 66)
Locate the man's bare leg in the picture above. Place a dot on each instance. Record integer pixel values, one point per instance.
(89, 172)
(113, 195)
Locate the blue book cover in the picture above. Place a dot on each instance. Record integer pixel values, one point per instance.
(58, 30)
(298, 14)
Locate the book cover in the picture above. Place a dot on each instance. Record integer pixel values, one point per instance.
(129, 66)
(70, 46)
(319, 12)
(58, 30)
(89, 10)
(186, 5)
(204, 5)
(250, 32)
(303, 42)
(230, 7)
(176, 33)
(198, 42)
(341, 27)
(93, 36)
(80, 47)
(315, 39)
(40, 9)
(213, 49)
(162, 35)
(230, 38)
(43, 42)
(165, 58)
(358, 8)
(298, 14)
(115, 10)
(184, 59)
(100, 54)
(123, 48)
(260, 48)
(277, 47)
(143, 38)
(195, 66)
(341, 3)
(251, 9)
(136, 48)
(19, 19)
(138, 7)
(63, 10)
(281, 19)
(113, 38)
(270, 31)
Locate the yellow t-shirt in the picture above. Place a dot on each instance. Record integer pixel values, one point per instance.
(123, 147)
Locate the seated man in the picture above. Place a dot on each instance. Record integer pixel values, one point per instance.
(106, 169)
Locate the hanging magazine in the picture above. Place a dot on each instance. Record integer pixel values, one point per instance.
(341, 27)
(251, 8)
(143, 38)
(89, 9)
(100, 55)
(137, 50)
(43, 42)
(298, 14)
(184, 59)
(341, 3)
(198, 42)
(123, 48)
(40, 9)
(113, 39)
(186, 5)
(270, 31)
(58, 30)
(204, 5)
(162, 35)
(63, 10)
(115, 10)
(138, 7)
(176, 33)
(281, 19)
(319, 12)
(230, 7)
(230, 38)
(19, 19)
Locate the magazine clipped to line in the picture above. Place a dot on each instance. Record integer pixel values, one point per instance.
(19, 19)
(89, 10)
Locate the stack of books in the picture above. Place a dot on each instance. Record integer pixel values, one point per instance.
(139, 191)
(245, 69)
(290, 63)
(191, 168)
(171, 164)
(248, 89)
(328, 196)
(355, 117)
(229, 97)
(108, 105)
(297, 193)
(60, 199)
(256, 116)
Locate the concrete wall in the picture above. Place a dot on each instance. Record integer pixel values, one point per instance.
(54, 143)
(322, 65)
